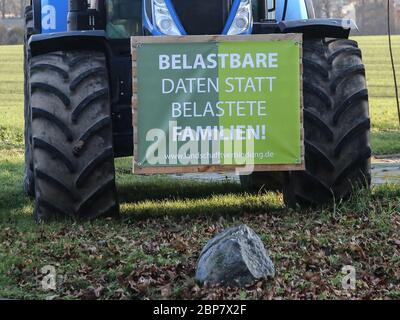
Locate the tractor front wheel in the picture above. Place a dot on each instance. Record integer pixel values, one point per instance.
(73, 158)
(336, 125)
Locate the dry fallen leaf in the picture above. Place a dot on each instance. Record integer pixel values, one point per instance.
(98, 291)
(180, 244)
(354, 247)
(166, 291)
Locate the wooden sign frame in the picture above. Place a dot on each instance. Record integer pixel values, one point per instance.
(138, 40)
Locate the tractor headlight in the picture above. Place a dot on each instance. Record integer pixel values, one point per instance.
(163, 20)
(243, 21)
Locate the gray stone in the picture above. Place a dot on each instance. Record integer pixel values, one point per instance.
(235, 257)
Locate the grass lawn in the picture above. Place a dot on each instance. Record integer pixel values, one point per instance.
(385, 125)
(151, 251)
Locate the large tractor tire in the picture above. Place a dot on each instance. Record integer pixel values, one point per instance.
(73, 158)
(336, 124)
(29, 182)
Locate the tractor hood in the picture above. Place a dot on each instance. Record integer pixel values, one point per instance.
(197, 17)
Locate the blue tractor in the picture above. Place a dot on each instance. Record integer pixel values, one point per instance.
(78, 88)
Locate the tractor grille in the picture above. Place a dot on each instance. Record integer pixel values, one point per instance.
(203, 16)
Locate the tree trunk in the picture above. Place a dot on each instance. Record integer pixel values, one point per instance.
(3, 8)
(22, 8)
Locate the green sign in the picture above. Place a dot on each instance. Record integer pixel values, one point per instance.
(226, 102)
